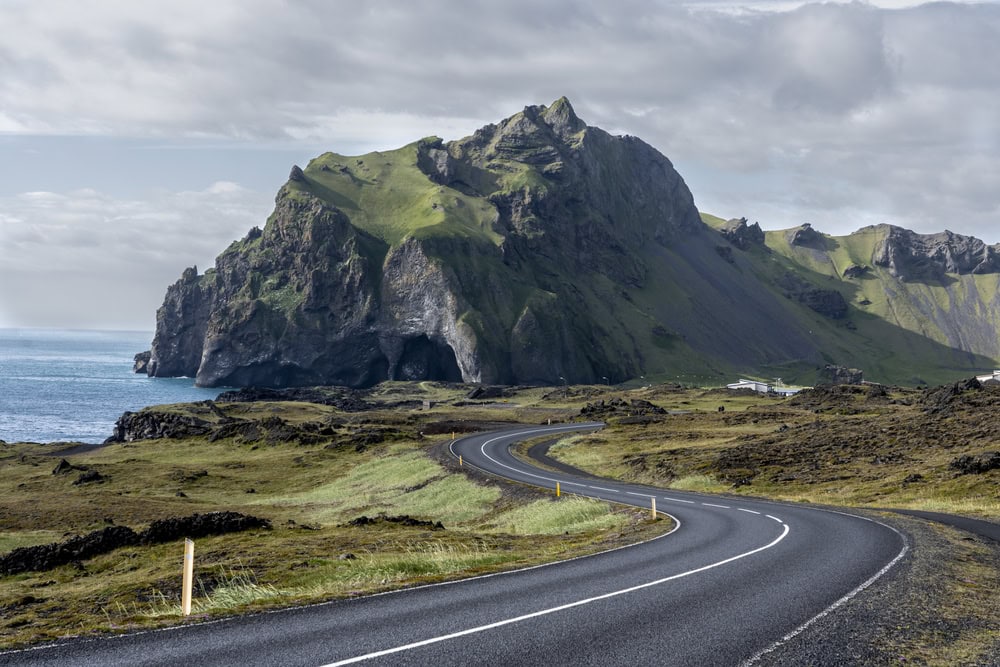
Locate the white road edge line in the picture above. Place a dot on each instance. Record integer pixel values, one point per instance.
(847, 598)
(552, 610)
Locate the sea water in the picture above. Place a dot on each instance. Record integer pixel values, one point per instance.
(71, 386)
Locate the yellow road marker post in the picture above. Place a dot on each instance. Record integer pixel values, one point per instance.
(557, 489)
(460, 460)
(654, 507)
(187, 581)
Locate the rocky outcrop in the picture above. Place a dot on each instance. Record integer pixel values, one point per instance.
(827, 302)
(929, 257)
(105, 540)
(833, 374)
(330, 292)
(344, 400)
(807, 237)
(969, 464)
(141, 362)
(743, 236)
(856, 271)
(151, 425)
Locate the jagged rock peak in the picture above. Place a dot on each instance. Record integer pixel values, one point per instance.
(807, 237)
(741, 235)
(912, 256)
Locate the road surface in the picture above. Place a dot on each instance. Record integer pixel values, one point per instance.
(733, 579)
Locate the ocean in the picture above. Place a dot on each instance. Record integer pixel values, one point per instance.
(71, 386)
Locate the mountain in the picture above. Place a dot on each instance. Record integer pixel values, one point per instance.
(538, 250)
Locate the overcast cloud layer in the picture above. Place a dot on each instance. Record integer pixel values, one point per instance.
(840, 115)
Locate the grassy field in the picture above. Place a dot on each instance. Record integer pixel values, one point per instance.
(846, 446)
(373, 464)
(838, 447)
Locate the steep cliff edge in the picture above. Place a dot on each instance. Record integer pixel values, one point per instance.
(544, 250)
(539, 249)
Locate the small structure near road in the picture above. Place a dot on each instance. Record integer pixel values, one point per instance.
(752, 385)
(763, 387)
(992, 377)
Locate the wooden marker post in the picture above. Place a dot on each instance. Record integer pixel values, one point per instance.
(654, 507)
(557, 489)
(188, 577)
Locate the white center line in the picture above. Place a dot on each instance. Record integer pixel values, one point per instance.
(678, 500)
(641, 495)
(601, 488)
(552, 610)
(747, 511)
(774, 517)
(725, 507)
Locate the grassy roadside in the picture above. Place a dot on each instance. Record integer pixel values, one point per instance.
(853, 446)
(311, 469)
(374, 464)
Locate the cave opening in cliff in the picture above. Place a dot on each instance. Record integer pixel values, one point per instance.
(425, 359)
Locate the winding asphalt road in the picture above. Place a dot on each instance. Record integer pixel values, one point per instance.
(732, 580)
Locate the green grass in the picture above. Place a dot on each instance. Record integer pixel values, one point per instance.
(10, 540)
(699, 483)
(387, 195)
(309, 494)
(559, 516)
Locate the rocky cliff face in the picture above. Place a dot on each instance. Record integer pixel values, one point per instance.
(543, 250)
(912, 256)
(453, 261)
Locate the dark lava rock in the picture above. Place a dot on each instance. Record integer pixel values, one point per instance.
(943, 398)
(89, 477)
(618, 407)
(403, 520)
(807, 237)
(834, 374)
(152, 425)
(741, 235)
(296, 174)
(481, 393)
(64, 467)
(141, 362)
(827, 302)
(48, 556)
(726, 253)
(856, 271)
(976, 464)
(343, 399)
(912, 256)
(200, 525)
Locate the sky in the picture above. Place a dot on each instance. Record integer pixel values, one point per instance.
(140, 138)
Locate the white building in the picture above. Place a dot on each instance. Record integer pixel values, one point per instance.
(753, 385)
(763, 387)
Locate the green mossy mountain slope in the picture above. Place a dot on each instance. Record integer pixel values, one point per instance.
(537, 250)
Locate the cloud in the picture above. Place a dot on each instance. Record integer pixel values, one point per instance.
(86, 258)
(840, 114)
